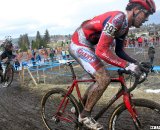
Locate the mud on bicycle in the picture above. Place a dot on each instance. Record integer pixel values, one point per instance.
(132, 114)
(6, 76)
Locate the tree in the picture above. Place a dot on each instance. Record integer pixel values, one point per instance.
(46, 38)
(23, 42)
(34, 45)
(38, 41)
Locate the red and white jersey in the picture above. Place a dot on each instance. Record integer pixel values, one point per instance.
(100, 32)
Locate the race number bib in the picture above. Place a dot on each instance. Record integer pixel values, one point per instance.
(109, 29)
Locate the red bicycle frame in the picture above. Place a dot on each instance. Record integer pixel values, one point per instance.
(122, 91)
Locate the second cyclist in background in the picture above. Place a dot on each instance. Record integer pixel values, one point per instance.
(7, 53)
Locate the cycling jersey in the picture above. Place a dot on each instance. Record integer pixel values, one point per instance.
(97, 35)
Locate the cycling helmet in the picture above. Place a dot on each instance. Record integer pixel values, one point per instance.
(147, 4)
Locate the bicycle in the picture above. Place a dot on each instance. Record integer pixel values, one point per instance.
(8, 73)
(58, 113)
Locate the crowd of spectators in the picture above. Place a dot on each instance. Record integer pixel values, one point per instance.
(62, 53)
(142, 41)
(42, 55)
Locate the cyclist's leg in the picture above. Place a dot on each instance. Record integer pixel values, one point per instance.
(2, 56)
(94, 66)
(85, 96)
(1, 70)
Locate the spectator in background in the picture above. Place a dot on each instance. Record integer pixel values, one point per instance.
(133, 42)
(153, 41)
(17, 65)
(140, 41)
(150, 41)
(67, 54)
(45, 55)
(38, 58)
(63, 53)
(51, 55)
(151, 53)
(33, 59)
(157, 38)
(33, 52)
(145, 42)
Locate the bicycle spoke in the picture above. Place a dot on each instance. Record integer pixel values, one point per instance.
(147, 117)
(8, 77)
(64, 119)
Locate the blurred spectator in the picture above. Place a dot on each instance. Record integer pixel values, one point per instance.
(63, 53)
(154, 41)
(33, 59)
(145, 42)
(133, 42)
(52, 55)
(67, 54)
(157, 38)
(151, 52)
(38, 58)
(17, 65)
(33, 52)
(45, 55)
(140, 41)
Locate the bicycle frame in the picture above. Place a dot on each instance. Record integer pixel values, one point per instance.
(123, 91)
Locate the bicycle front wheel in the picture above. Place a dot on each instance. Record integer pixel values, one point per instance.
(64, 119)
(8, 76)
(148, 113)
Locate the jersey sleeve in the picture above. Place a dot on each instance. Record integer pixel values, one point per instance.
(119, 49)
(111, 27)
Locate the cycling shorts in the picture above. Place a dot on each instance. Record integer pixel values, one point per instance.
(86, 57)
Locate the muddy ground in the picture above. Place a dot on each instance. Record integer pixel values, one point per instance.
(20, 105)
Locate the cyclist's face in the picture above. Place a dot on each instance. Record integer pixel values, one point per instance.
(141, 17)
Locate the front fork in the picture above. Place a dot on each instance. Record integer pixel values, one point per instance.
(127, 98)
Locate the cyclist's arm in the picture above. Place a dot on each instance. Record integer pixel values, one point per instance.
(107, 36)
(119, 49)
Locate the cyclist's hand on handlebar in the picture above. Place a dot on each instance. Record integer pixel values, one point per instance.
(133, 68)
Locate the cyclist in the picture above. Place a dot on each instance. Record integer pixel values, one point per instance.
(7, 53)
(91, 44)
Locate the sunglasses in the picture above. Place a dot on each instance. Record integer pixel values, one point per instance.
(147, 13)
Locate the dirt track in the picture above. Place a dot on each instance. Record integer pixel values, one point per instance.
(19, 108)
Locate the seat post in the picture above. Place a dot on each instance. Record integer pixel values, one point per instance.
(72, 71)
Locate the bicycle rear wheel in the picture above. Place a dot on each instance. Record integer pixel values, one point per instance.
(148, 114)
(64, 119)
(8, 76)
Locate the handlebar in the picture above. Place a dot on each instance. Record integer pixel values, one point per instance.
(145, 68)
